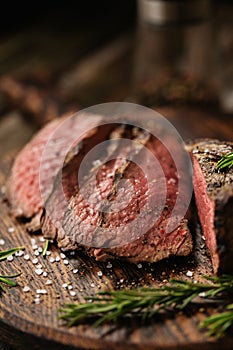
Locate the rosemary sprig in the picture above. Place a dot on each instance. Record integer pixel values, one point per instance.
(5, 253)
(220, 323)
(7, 280)
(111, 305)
(225, 162)
(45, 247)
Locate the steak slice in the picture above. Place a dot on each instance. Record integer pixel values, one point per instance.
(106, 228)
(31, 179)
(214, 199)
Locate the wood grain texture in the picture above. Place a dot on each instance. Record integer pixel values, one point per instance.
(28, 325)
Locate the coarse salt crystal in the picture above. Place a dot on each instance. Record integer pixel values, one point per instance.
(48, 252)
(3, 189)
(57, 258)
(26, 257)
(36, 253)
(45, 274)
(139, 266)
(48, 282)
(92, 285)
(33, 241)
(65, 285)
(39, 266)
(72, 293)
(52, 259)
(26, 289)
(11, 229)
(10, 258)
(35, 261)
(19, 253)
(70, 287)
(66, 262)
(40, 250)
(2, 242)
(100, 273)
(42, 239)
(109, 265)
(62, 255)
(75, 271)
(189, 273)
(34, 246)
(37, 301)
(38, 271)
(41, 291)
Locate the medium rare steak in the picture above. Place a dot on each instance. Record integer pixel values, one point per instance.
(99, 216)
(31, 179)
(214, 199)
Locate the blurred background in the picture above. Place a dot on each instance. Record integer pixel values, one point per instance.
(173, 56)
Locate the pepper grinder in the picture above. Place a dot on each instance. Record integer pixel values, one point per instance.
(174, 60)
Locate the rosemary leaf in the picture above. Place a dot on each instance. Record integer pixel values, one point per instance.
(225, 162)
(7, 280)
(218, 324)
(112, 305)
(5, 253)
(45, 247)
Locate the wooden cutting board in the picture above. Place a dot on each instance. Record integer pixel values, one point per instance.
(27, 324)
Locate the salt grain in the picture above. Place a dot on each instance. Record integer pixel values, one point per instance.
(70, 287)
(11, 229)
(39, 266)
(139, 266)
(66, 262)
(26, 289)
(48, 282)
(33, 241)
(62, 256)
(41, 291)
(42, 239)
(100, 273)
(189, 273)
(72, 293)
(57, 258)
(2, 242)
(75, 271)
(26, 257)
(109, 265)
(19, 253)
(34, 246)
(38, 271)
(3, 189)
(65, 285)
(36, 253)
(45, 274)
(40, 250)
(92, 285)
(37, 301)
(48, 252)
(10, 258)
(52, 259)
(35, 261)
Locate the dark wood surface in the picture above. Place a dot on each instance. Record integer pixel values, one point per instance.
(25, 324)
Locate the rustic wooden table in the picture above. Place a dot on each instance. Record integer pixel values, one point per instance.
(35, 86)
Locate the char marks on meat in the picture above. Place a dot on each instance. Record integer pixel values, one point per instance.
(214, 199)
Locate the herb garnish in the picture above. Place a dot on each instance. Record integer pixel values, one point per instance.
(45, 247)
(225, 162)
(111, 305)
(7, 279)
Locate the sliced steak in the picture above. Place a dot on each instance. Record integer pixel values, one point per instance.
(31, 179)
(106, 228)
(214, 199)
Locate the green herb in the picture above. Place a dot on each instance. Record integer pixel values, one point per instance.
(7, 280)
(220, 323)
(5, 253)
(45, 247)
(111, 305)
(225, 162)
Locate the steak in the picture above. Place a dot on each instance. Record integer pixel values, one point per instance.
(31, 179)
(116, 211)
(214, 199)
